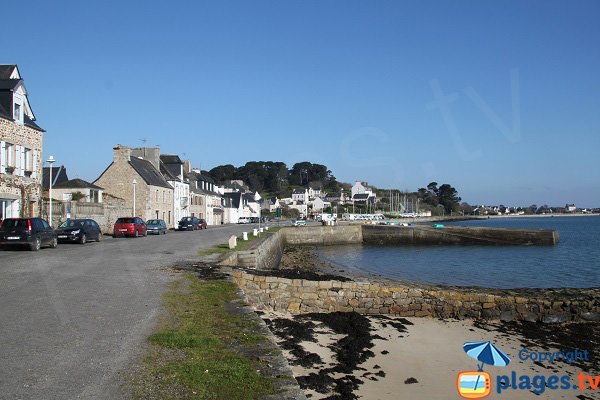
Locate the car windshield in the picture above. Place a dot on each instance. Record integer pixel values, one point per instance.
(153, 222)
(125, 221)
(187, 219)
(72, 223)
(14, 223)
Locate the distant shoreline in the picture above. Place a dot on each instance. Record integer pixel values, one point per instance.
(543, 215)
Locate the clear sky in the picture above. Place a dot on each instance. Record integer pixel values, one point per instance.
(499, 99)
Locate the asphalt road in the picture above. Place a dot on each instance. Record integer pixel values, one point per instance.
(73, 318)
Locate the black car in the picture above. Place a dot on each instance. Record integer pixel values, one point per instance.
(31, 232)
(79, 230)
(189, 224)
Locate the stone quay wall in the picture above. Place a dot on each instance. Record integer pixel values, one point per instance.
(297, 296)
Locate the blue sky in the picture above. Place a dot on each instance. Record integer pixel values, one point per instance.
(355, 85)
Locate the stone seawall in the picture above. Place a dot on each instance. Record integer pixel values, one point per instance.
(323, 235)
(424, 234)
(269, 293)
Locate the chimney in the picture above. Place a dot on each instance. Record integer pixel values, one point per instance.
(151, 154)
(187, 166)
(121, 154)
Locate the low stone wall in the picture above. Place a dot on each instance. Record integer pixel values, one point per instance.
(323, 235)
(266, 254)
(269, 293)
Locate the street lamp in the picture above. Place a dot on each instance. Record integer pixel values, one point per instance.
(134, 183)
(50, 161)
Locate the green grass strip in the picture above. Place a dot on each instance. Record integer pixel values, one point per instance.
(204, 332)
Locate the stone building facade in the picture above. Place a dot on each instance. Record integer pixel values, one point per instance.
(153, 194)
(20, 149)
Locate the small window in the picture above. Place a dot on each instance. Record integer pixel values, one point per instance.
(17, 115)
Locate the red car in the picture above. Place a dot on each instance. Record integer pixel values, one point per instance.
(130, 226)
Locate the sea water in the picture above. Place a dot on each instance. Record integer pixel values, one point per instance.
(574, 262)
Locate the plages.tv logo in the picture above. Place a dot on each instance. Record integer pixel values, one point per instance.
(478, 384)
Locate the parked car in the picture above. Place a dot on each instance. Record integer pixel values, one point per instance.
(189, 224)
(31, 232)
(299, 222)
(202, 223)
(130, 226)
(157, 226)
(243, 220)
(79, 230)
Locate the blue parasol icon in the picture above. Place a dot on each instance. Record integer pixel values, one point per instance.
(487, 353)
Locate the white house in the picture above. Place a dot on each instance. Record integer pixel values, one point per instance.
(360, 189)
(318, 204)
(300, 195)
(77, 190)
(171, 167)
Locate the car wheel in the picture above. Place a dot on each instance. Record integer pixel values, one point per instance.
(54, 243)
(136, 233)
(35, 246)
(83, 239)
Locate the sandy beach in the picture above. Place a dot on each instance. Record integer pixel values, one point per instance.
(412, 358)
(348, 356)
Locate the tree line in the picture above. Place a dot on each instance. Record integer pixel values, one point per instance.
(275, 178)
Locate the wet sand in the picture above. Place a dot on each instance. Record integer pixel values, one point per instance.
(377, 357)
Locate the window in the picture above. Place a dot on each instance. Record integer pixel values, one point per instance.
(17, 115)
(7, 157)
(27, 161)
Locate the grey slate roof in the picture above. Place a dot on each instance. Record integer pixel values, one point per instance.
(6, 70)
(76, 184)
(10, 84)
(232, 200)
(148, 173)
(361, 196)
(249, 198)
(7, 86)
(59, 175)
(171, 163)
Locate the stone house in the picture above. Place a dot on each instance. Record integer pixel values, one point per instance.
(153, 194)
(20, 148)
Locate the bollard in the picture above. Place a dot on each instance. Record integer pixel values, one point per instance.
(255, 232)
(261, 230)
(232, 242)
(245, 235)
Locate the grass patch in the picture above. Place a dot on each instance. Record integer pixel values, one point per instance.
(194, 352)
(223, 248)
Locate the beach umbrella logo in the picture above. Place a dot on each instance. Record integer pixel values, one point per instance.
(477, 384)
(486, 353)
